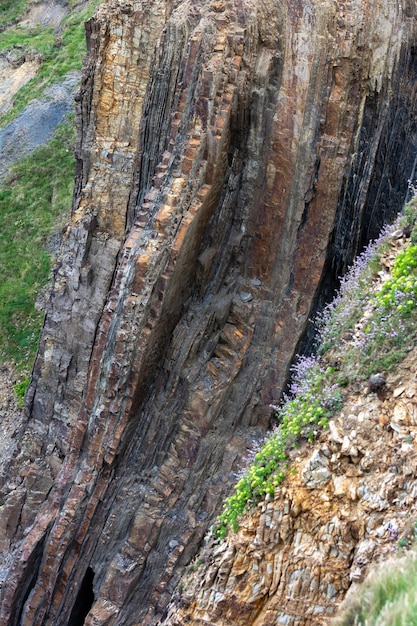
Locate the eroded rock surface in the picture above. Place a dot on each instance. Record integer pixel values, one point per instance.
(231, 158)
(11, 413)
(352, 501)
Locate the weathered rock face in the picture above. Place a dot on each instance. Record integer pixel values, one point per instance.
(352, 498)
(231, 155)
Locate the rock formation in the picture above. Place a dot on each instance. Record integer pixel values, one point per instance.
(232, 158)
(351, 500)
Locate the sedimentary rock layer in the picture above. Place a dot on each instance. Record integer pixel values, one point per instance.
(231, 157)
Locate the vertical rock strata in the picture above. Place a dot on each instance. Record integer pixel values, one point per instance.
(219, 148)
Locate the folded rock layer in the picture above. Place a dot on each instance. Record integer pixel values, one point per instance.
(233, 156)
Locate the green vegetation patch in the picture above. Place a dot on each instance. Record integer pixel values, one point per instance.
(11, 10)
(347, 353)
(400, 291)
(60, 53)
(314, 399)
(36, 194)
(41, 40)
(390, 325)
(387, 598)
(20, 390)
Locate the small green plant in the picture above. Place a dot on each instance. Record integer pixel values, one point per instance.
(409, 217)
(409, 537)
(400, 291)
(20, 390)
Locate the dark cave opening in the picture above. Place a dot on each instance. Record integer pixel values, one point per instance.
(84, 601)
(27, 582)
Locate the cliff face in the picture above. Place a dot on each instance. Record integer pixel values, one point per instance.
(351, 500)
(232, 156)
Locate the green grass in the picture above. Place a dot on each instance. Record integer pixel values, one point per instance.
(11, 10)
(38, 39)
(38, 191)
(60, 54)
(36, 195)
(388, 597)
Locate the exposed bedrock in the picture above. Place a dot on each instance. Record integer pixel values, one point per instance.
(232, 158)
(342, 509)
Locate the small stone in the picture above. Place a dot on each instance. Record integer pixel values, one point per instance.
(395, 427)
(397, 234)
(346, 445)
(376, 382)
(383, 420)
(245, 296)
(335, 435)
(398, 391)
(356, 574)
(316, 471)
(400, 412)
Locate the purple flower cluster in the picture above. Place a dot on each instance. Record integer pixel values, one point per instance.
(338, 314)
(302, 371)
(400, 296)
(251, 452)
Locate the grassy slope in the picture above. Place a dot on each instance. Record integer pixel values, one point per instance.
(10, 10)
(36, 196)
(60, 53)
